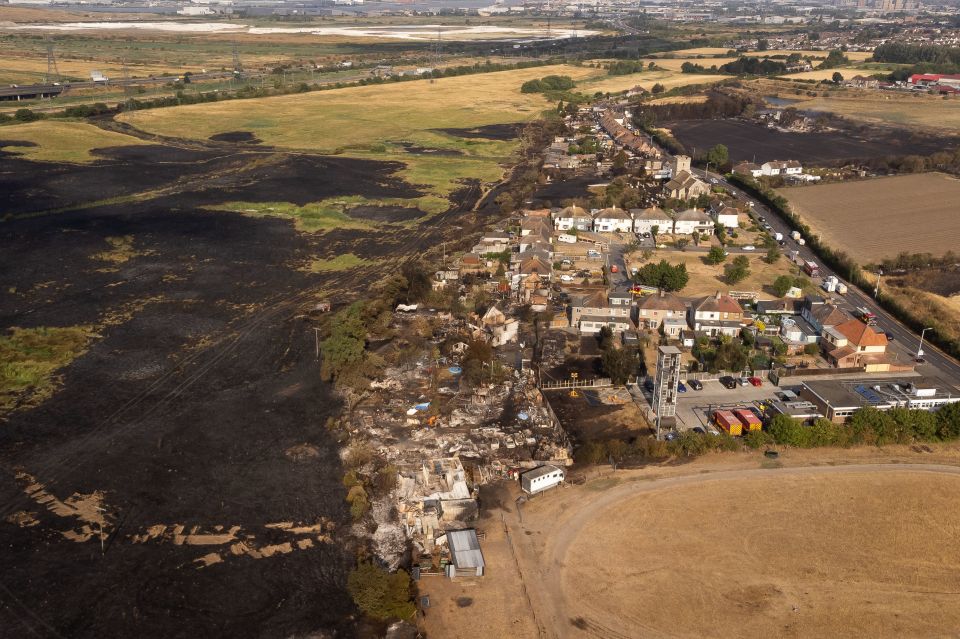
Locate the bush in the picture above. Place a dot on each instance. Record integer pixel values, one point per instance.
(548, 83)
(758, 439)
(380, 594)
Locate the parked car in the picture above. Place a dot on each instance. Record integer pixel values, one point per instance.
(890, 336)
(749, 247)
(681, 388)
(728, 381)
(695, 384)
(699, 429)
(566, 278)
(744, 381)
(648, 385)
(756, 381)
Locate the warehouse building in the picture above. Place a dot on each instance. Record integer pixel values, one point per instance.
(839, 399)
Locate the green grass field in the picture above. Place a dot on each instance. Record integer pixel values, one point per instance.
(30, 359)
(375, 122)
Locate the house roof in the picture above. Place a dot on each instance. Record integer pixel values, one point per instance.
(693, 215)
(536, 264)
(572, 212)
(607, 319)
(745, 167)
(652, 213)
(612, 213)
(828, 315)
(718, 303)
(777, 306)
(465, 548)
(682, 180)
(540, 471)
(662, 302)
(597, 299)
(859, 334)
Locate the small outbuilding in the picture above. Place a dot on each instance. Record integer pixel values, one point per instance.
(465, 555)
(541, 478)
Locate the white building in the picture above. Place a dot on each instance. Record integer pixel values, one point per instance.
(778, 167)
(692, 220)
(645, 219)
(612, 220)
(573, 217)
(541, 478)
(727, 216)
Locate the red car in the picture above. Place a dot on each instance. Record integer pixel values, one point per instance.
(756, 381)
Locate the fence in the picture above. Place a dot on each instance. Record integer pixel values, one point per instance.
(576, 383)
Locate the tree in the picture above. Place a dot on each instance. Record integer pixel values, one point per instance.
(619, 364)
(782, 284)
(773, 254)
(682, 243)
(26, 115)
(948, 422)
(837, 77)
(478, 354)
(663, 275)
(763, 44)
(654, 230)
(730, 355)
(718, 155)
(657, 88)
(716, 255)
(345, 348)
(738, 271)
(620, 161)
(380, 594)
(811, 349)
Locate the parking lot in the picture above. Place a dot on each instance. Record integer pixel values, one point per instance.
(694, 407)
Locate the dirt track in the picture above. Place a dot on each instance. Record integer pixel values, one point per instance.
(568, 610)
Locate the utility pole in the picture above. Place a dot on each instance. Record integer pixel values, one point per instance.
(316, 339)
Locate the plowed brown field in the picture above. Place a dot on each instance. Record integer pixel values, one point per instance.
(878, 218)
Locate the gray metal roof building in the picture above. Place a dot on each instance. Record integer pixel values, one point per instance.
(465, 552)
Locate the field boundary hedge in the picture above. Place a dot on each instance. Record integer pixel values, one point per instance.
(839, 261)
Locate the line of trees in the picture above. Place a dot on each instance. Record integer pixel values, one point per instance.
(905, 53)
(548, 83)
(866, 427)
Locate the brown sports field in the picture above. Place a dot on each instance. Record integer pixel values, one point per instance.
(878, 218)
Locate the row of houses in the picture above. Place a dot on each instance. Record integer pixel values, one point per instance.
(613, 125)
(648, 220)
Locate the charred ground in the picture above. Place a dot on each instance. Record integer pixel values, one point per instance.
(185, 410)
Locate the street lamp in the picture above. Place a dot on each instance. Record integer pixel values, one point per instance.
(920, 347)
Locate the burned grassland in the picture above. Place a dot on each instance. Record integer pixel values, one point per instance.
(188, 432)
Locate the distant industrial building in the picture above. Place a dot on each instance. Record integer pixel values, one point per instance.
(837, 400)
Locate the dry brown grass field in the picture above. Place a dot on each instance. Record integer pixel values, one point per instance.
(798, 556)
(878, 218)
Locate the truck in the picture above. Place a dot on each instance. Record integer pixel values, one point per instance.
(865, 316)
(728, 422)
(811, 268)
(830, 283)
(841, 288)
(795, 235)
(750, 421)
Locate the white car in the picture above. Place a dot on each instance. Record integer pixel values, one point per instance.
(749, 247)
(566, 278)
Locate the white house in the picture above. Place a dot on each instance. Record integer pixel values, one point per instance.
(692, 220)
(778, 167)
(572, 217)
(541, 478)
(645, 219)
(612, 220)
(726, 216)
